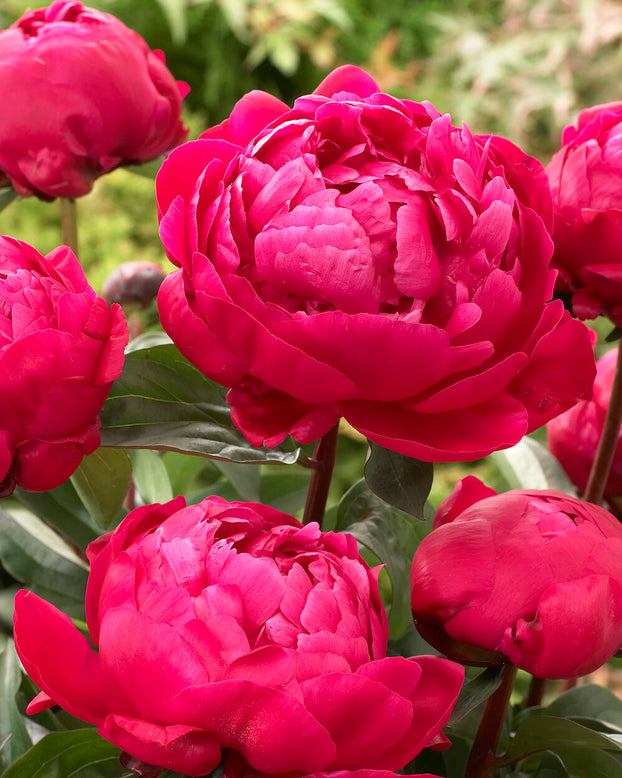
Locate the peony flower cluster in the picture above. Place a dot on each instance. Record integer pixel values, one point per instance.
(531, 578)
(108, 100)
(61, 347)
(359, 256)
(231, 626)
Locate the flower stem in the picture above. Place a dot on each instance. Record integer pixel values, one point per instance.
(69, 223)
(487, 737)
(322, 462)
(535, 693)
(601, 465)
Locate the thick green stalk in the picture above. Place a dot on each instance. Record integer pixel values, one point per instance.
(69, 223)
(487, 737)
(322, 463)
(601, 466)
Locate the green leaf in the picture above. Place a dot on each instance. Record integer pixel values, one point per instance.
(245, 479)
(474, 692)
(63, 508)
(584, 763)
(393, 537)
(529, 465)
(38, 558)
(102, 481)
(150, 476)
(550, 733)
(399, 480)
(78, 754)
(162, 401)
(11, 723)
(589, 702)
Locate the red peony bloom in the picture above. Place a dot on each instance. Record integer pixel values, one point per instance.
(61, 348)
(531, 578)
(231, 626)
(358, 256)
(586, 183)
(81, 94)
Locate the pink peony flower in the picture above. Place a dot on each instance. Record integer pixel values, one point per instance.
(358, 256)
(531, 578)
(573, 437)
(586, 183)
(61, 348)
(231, 626)
(81, 94)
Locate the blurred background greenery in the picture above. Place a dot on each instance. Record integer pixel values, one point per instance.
(519, 68)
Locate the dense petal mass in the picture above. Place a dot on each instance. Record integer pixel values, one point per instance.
(61, 347)
(108, 100)
(531, 578)
(230, 629)
(586, 183)
(358, 256)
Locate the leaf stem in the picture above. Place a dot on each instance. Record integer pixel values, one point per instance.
(322, 462)
(69, 223)
(601, 465)
(485, 743)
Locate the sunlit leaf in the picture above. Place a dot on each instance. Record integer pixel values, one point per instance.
(528, 465)
(102, 481)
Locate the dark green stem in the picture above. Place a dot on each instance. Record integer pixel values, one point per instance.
(322, 462)
(487, 737)
(536, 691)
(601, 466)
(69, 223)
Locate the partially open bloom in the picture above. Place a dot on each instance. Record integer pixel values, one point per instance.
(359, 256)
(231, 626)
(81, 94)
(531, 578)
(573, 437)
(586, 183)
(61, 347)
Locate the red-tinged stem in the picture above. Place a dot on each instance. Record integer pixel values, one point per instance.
(322, 462)
(69, 223)
(487, 737)
(535, 695)
(601, 466)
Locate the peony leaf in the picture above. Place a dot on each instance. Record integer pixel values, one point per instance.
(150, 476)
(528, 465)
(13, 733)
(38, 558)
(7, 196)
(476, 691)
(390, 535)
(63, 508)
(161, 401)
(568, 740)
(61, 754)
(591, 702)
(399, 480)
(102, 481)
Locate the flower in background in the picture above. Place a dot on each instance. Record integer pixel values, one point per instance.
(231, 626)
(81, 94)
(61, 347)
(359, 256)
(586, 183)
(533, 578)
(573, 437)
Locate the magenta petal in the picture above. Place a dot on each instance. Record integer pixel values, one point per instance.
(252, 114)
(72, 677)
(347, 78)
(272, 730)
(364, 717)
(184, 749)
(578, 627)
